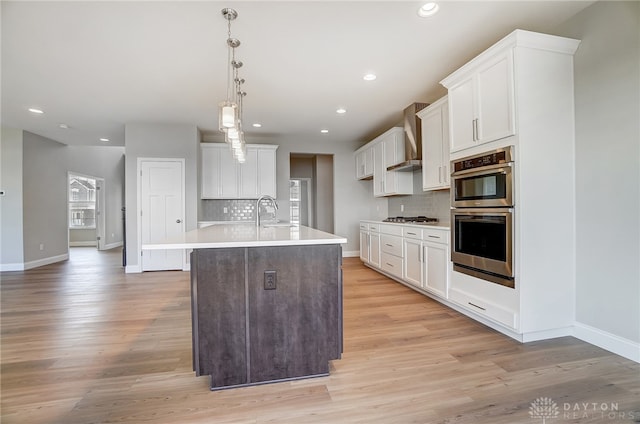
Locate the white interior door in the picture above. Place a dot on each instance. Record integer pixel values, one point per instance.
(162, 212)
(100, 214)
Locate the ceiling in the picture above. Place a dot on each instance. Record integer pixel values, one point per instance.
(96, 66)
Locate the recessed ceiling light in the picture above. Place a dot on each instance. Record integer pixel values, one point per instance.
(324, 131)
(36, 110)
(104, 139)
(341, 110)
(257, 125)
(428, 9)
(369, 77)
(63, 126)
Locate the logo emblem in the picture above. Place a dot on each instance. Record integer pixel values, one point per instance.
(544, 408)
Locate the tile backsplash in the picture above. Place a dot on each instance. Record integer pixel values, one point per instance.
(228, 210)
(434, 204)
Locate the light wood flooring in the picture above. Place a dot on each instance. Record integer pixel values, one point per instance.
(83, 342)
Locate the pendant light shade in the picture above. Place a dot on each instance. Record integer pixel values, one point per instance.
(228, 115)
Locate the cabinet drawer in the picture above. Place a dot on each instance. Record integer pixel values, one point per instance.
(374, 227)
(412, 233)
(364, 226)
(482, 307)
(435, 236)
(391, 264)
(395, 230)
(391, 245)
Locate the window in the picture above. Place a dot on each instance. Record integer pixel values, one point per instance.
(294, 199)
(82, 202)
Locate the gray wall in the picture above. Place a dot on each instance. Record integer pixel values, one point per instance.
(11, 226)
(44, 198)
(34, 211)
(323, 183)
(607, 101)
(105, 162)
(159, 141)
(353, 199)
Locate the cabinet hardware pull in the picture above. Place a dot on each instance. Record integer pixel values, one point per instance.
(387, 244)
(473, 129)
(413, 234)
(434, 237)
(479, 307)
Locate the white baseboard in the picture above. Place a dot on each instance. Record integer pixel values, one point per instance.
(112, 245)
(616, 344)
(12, 267)
(46, 261)
(82, 243)
(350, 254)
(132, 269)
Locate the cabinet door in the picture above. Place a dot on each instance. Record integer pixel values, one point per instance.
(462, 115)
(360, 159)
(495, 111)
(368, 163)
(374, 249)
(249, 175)
(379, 170)
(210, 183)
(266, 172)
(434, 143)
(229, 168)
(436, 277)
(364, 246)
(412, 272)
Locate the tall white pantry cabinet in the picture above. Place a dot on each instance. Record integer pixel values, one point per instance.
(519, 93)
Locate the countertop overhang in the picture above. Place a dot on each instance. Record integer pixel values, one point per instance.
(245, 235)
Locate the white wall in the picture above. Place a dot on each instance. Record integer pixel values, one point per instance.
(11, 226)
(106, 162)
(159, 141)
(44, 200)
(607, 102)
(324, 192)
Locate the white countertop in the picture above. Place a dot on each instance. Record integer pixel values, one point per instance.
(437, 225)
(245, 235)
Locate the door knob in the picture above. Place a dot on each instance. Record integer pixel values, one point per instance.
(178, 221)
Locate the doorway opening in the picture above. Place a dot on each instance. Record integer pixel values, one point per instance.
(86, 220)
(311, 190)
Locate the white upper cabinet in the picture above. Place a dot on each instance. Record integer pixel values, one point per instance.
(395, 182)
(387, 150)
(481, 102)
(222, 177)
(435, 145)
(364, 163)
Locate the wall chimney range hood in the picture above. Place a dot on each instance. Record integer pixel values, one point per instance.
(412, 140)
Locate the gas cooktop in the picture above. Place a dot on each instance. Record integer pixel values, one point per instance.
(411, 219)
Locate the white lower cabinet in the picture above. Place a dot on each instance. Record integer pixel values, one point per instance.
(485, 308)
(436, 268)
(416, 255)
(391, 256)
(364, 242)
(374, 245)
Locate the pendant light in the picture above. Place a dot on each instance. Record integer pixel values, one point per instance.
(230, 113)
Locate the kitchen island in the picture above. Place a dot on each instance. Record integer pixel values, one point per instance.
(266, 302)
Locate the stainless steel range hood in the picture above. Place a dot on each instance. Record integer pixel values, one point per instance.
(412, 140)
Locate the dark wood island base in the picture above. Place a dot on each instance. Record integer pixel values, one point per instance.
(265, 314)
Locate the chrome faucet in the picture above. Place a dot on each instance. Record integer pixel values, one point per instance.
(260, 199)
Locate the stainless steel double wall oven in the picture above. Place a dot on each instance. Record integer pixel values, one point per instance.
(482, 201)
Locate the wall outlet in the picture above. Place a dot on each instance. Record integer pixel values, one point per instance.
(41, 246)
(269, 280)
(225, 210)
(401, 208)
